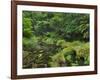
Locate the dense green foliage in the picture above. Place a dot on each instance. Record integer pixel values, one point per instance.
(52, 39)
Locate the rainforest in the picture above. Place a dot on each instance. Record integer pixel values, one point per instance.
(55, 39)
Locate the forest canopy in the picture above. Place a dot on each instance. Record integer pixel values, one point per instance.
(55, 39)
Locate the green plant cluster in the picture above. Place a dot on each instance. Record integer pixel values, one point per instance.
(54, 39)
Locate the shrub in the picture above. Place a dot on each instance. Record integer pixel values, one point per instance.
(57, 60)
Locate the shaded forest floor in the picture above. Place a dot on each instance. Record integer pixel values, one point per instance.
(58, 54)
